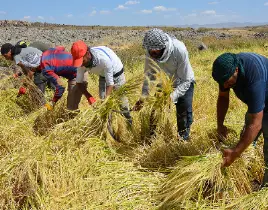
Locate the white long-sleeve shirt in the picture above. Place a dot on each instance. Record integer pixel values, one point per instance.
(177, 67)
(108, 64)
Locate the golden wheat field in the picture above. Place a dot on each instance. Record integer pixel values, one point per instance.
(53, 160)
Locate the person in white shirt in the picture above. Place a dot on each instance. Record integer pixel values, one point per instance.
(103, 62)
(172, 57)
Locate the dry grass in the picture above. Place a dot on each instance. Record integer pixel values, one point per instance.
(74, 164)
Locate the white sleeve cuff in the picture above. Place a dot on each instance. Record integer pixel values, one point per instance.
(80, 74)
(180, 91)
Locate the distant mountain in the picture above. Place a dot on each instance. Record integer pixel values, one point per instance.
(223, 25)
(18, 23)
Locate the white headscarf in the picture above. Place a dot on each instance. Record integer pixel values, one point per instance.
(156, 39)
(31, 60)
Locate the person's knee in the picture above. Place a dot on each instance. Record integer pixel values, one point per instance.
(182, 114)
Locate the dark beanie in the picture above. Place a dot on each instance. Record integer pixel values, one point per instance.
(6, 48)
(224, 67)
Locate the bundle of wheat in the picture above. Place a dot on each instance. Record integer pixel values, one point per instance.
(202, 178)
(254, 201)
(47, 119)
(33, 99)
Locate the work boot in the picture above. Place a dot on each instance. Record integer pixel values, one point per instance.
(184, 135)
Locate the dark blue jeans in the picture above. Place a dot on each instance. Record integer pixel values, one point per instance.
(185, 113)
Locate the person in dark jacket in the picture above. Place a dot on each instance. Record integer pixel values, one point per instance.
(247, 75)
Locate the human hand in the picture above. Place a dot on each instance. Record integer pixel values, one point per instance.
(16, 75)
(229, 156)
(50, 105)
(222, 131)
(138, 106)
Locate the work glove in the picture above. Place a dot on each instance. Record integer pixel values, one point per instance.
(16, 75)
(50, 105)
(22, 91)
(91, 100)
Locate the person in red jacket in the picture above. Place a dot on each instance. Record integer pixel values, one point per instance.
(56, 63)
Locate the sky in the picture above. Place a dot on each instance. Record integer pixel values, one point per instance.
(135, 12)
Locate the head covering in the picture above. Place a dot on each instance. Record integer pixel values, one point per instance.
(32, 60)
(156, 39)
(22, 44)
(93, 61)
(224, 67)
(78, 50)
(5, 48)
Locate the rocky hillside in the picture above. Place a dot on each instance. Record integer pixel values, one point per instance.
(12, 31)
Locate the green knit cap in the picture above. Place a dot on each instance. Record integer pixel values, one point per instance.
(224, 67)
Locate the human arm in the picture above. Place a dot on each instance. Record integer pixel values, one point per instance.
(56, 81)
(256, 103)
(83, 89)
(81, 85)
(180, 90)
(184, 75)
(251, 131)
(26, 71)
(108, 74)
(109, 89)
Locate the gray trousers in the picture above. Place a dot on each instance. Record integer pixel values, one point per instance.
(74, 95)
(118, 82)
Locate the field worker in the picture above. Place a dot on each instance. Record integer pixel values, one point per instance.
(56, 63)
(39, 80)
(172, 57)
(21, 54)
(103, 62)
(247, 75)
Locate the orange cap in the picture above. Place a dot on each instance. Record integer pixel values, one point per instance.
(79, 49)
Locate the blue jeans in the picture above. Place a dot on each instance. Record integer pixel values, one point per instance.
(264, 131)
(185, 113)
